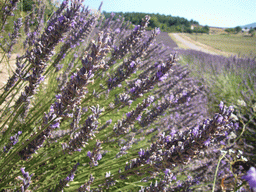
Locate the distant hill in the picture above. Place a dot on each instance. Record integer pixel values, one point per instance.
(249, 25)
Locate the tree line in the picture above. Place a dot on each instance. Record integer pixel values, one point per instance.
(238, 29)
(166, 23)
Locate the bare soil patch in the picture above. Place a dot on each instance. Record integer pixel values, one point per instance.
(7, 67)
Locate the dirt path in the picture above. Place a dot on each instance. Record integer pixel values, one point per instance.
(6, 69)
(185, 42)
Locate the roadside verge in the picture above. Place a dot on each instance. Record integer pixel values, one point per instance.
(184, 42)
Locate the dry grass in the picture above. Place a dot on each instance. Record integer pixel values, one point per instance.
(216, 30)
(207, 48)
(237, 44)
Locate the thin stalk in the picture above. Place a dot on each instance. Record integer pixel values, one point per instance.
(216, 171)
(12, 155)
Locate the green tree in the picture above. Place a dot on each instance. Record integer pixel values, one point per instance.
(252, 32)
(154, 22)
(206, 29)
(166, 23)
(238, 29)
(229, 30)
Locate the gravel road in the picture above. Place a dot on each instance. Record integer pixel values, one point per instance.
(191, 45)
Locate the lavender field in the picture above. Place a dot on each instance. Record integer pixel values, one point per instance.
(95, 106)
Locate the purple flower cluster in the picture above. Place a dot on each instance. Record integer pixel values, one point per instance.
(43, 49)
(130, 65)
(129, 42)
(95, 155)
(81, 29)
(152, 100)
(8, 46)
(64, 182)
(123, 126)
(87, 132)
(13, 140)
(86, 186)
(251, 178)
(184, 145)
(26, 179)
(71, 95)
(148, 83)
(7, 10)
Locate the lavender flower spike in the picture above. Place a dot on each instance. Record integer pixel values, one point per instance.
(180, 149)
(72, 95)
(43, 50)
(13, 140)
(64, 182)
(86, 186)
(26, 179)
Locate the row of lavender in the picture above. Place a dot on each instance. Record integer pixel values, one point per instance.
(120, 112)
(232, 80)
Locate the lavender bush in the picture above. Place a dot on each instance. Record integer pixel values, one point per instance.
(94, 106)
(231, 80)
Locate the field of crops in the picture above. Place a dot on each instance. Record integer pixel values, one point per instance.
(95, 106)
(239, 44)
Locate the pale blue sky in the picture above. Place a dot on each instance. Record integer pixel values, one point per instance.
(219, 13)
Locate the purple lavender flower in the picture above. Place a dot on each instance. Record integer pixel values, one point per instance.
(55, 125)
(151, 99)
(108, 174)
(130, 102)
(159, 74)
(164, 77)
(43, 49)
(128, 114)
(167, 171)
(95, 155)
(158, 31)
(167, 139)
(221, 106)
(72, 95)
(139, 118)
(207, 142)
(251, 177)
(89, 154)
(132, 90)
(173, 132)
(13, 141)
(236, 125)
(99, 157)
(64, 182)
(117, 30)
(109, 121)
(136, 27)
(141, 152)
(26, 179)
(195, 131)
(132, 64)
(222, 142)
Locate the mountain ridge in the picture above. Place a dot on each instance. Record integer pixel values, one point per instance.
(249, 25)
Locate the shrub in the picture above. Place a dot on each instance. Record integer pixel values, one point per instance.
(94, 106)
